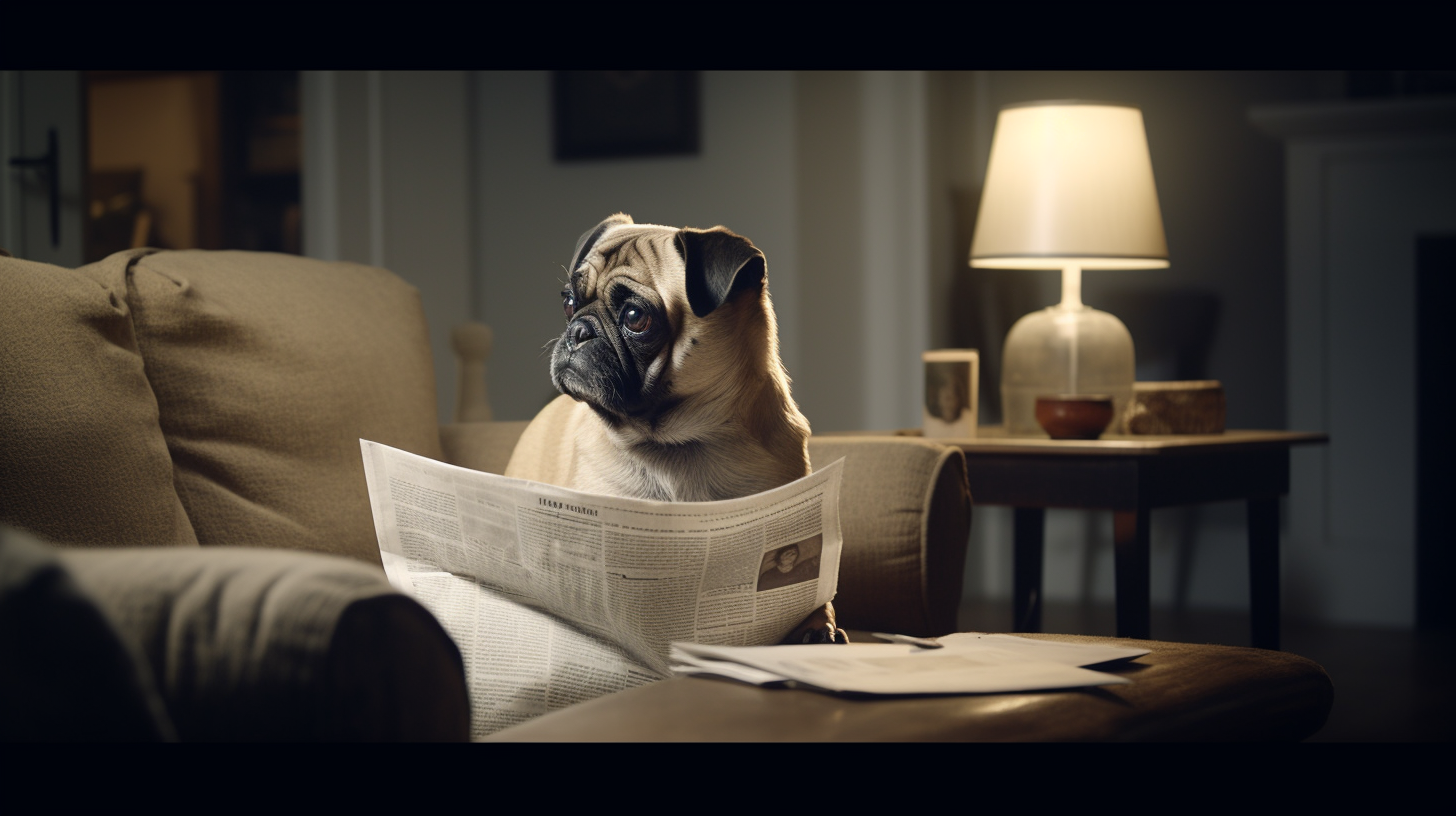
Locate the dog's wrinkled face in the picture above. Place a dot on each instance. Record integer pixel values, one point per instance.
(611, 355)
(636, 300)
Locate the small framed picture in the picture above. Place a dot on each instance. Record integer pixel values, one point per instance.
(625, 114)
(952, 393)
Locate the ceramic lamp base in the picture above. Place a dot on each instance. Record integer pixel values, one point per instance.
(1069, 351)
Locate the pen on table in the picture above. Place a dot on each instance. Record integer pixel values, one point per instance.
(924, 643)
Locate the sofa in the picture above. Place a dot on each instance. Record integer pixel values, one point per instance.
(186, 545)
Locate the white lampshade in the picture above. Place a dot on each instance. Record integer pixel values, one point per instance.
(1069, 184)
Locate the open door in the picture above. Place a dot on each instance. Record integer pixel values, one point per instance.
(43, 144)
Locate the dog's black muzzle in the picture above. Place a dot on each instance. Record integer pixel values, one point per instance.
(593, 364)
(581, 330)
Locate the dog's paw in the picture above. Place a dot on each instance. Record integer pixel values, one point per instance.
(819, 627)
(825, 634)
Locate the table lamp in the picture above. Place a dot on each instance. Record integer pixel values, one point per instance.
(1069, 186)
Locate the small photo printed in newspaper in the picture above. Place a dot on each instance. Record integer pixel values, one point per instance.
(790, 564)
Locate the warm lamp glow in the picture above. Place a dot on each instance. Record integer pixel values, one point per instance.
(1069, 183)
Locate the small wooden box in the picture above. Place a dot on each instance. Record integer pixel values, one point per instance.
(1176, 407)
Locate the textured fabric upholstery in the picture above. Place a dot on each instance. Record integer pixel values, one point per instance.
(905, 513)
(82, 458)
(249, 644)
(66, 673)
(177, 398)
(268, 369)
(484, 446)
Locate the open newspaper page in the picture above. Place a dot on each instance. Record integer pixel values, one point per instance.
(556, 596)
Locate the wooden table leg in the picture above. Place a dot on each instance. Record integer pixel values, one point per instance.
(1132, 573)
(1028, 527)
(1264, 572)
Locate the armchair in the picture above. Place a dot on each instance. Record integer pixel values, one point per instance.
(179, 460)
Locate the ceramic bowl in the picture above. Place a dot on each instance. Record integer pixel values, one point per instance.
(1074, 416)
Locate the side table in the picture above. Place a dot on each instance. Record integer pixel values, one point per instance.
(1132, 475)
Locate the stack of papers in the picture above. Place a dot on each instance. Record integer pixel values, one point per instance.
(966, 663)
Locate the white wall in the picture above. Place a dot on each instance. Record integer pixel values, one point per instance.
(863, 173)
(532, 209)
(386, 182)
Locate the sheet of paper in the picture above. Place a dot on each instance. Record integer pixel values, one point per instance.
(969, 663)
(687, 664)
(1010, 648)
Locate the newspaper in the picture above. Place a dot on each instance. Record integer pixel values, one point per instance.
(555, 596)
(962, 663)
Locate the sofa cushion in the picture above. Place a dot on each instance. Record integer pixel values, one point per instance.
(268, 370)
(82, 457)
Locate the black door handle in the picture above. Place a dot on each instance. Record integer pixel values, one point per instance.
(50, 165)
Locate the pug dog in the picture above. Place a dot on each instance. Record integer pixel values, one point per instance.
(671, 384)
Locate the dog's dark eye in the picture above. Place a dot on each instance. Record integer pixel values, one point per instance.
(568, 304)
(636, 319)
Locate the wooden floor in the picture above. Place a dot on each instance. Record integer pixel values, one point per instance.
(1391, 685)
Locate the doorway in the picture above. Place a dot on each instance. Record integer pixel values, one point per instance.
(191, 160)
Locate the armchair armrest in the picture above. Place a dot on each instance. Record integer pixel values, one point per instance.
(278, 645)
(66, 674)
(905, 512)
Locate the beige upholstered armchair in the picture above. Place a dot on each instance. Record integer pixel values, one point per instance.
(179, 454)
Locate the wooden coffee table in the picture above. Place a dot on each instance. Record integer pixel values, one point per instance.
(1180, 692)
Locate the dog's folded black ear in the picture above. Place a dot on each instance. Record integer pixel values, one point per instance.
(719, 264)
(589, 238)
